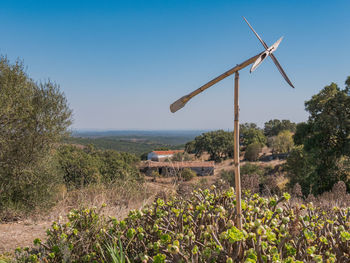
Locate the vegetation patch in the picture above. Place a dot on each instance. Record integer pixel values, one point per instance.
(201, 229)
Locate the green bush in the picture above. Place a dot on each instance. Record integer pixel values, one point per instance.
(187, 174)
(202, 229)
(82, 167)
(250, 169)
(252, 151)
(228, 176)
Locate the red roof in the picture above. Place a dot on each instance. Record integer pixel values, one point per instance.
(167, 152)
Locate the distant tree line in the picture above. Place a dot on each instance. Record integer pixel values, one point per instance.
(219, 144)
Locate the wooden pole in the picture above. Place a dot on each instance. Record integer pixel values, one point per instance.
(236, 153)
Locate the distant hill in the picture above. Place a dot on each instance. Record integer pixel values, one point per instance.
(137, 142)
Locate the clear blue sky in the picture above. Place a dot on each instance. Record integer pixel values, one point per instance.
(122, 63)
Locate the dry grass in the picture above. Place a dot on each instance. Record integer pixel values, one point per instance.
(120, 199)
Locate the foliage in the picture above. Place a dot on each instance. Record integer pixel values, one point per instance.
(190, 147)
(187, 174)
(181, 157)
(33, 117)
(203, 229)
(79, 167)
(274, 127)
(300, 168)
(248, 182)
(250, 133)
(82, 167)
(244, 127)
(326, 139)
(228, 176)
(253, 177)
(155, 175)
(6, 258)
(252, 151)
(135, 144)
(218, 144)
(283, 142)
(250, 169)
(115, 254)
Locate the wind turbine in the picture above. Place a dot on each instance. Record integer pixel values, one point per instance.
(257, 60)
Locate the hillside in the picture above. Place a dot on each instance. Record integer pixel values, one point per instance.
(137, 142)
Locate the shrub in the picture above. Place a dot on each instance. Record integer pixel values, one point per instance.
(249, 182)
(202, 229)
(82, 167)
(252, 151)
(181, 157)
(250, 168)
(155, 175)
(228, 176)
(34, 117)
(187, 174)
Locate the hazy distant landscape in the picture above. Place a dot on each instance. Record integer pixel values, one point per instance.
(137, 142)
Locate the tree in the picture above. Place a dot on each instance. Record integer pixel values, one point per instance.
(82, 167)
(33, 118)
(283, 142)
(181, 157)
(300, 167)
(252, 151)
(218, 144)
(274, 127)
(190, 147)
(250, 133)
(79, 167)
(244, 127)
(325, 138)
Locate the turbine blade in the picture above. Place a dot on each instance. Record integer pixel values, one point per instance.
(274, 59)
(265, 54)
(280, 69)
(262, 41)
(259, 60)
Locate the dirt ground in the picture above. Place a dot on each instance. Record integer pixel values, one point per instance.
(13, 235)
(22, 233)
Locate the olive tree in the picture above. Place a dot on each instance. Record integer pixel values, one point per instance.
(33, 118)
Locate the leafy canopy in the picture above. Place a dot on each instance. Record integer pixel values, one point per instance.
(218, 144)
(325, 138)
(283, 142)
(250, 133)
(274, 127)
(33, 118)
